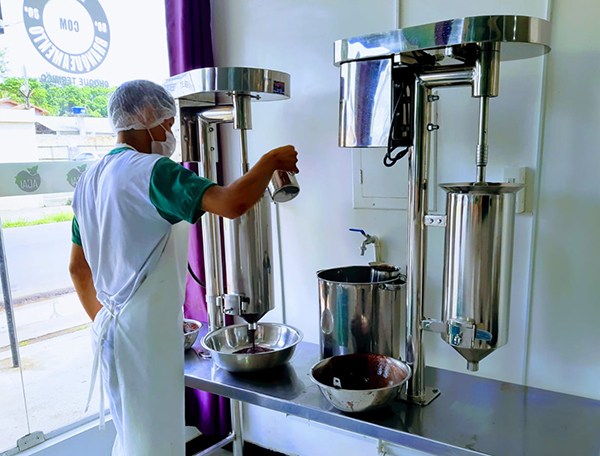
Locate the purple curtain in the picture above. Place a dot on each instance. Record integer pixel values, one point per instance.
(189, 38)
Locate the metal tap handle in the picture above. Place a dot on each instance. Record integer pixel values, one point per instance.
(483, 335)
(359, 231)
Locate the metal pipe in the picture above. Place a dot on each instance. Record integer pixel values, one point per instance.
(415, 269)
(244, 150)
(473, 366)
(482, 142)
(242, 119)
(485, 85)
(211, 229)
(218, 114)
(8, 306)
(236, 426)
(447, 76)
(486, 76)
(217, 446)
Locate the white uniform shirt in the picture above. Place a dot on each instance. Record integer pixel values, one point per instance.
(124, 207)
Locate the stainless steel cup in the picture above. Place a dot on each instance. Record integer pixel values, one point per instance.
(283, 186)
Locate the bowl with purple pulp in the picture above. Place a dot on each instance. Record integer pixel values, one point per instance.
(360, 382)
(239, 349)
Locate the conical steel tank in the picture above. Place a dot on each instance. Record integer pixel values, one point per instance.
(480, 220)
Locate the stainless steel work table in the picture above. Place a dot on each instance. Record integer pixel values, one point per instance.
(472, 415)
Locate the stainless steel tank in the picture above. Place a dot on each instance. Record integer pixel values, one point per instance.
(477, 267)
(249, 268)
(360, 316)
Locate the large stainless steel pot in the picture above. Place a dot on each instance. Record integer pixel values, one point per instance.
(358, 315)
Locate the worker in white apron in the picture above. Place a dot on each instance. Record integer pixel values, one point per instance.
(128, 263)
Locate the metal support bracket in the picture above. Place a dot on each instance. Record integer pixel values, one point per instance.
(31, 440)
(234, 304)
(461, 334)
(435, 220)
(436, 326)
(430, 395)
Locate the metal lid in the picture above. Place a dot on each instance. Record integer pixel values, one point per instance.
(484, 188)
(203, 83)
(521, 37)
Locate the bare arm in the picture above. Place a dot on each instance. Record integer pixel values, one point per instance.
(235, 199)
(81, 275)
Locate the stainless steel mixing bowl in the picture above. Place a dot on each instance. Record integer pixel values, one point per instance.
(360, 382)
(222, 344)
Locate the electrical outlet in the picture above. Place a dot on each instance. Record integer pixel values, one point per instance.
(518, 176)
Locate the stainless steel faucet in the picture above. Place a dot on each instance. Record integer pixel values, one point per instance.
(369, 240)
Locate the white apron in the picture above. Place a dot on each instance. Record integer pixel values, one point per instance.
(141, 353)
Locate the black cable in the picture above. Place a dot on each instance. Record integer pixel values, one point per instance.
(196, 279)
(388, 159)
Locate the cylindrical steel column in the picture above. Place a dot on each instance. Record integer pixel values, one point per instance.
(482, 142)
(486, 77)
(244, 151)
(211, 228)
(415, 268)
(237, 427)
(242, 119)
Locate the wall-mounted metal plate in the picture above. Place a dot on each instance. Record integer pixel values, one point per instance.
(203, 84)
(521, 37)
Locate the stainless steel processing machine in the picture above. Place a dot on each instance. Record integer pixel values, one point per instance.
(208, 97)
(387, 83)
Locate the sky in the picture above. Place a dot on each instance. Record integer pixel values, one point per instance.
(134, 32)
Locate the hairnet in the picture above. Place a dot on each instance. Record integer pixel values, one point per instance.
(138, 105)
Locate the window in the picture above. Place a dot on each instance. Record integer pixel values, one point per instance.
(59, 62)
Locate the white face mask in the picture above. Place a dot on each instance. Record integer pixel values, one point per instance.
(165, 148)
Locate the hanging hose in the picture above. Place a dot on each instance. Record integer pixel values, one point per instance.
(195, 277)
(388, 159)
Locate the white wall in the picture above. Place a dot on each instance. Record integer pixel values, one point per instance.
(17, 136)
(548, 346)
(565, 314)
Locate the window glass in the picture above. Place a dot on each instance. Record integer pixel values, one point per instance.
(59, 62)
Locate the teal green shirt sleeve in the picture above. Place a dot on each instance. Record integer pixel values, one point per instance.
(75, 235)
(177, 192)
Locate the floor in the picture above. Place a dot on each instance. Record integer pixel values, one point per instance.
(250, 449)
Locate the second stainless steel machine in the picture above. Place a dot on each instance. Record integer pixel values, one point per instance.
(387, 83)
(206, 98)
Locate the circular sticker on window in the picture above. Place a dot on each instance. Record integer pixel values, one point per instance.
(72, 35)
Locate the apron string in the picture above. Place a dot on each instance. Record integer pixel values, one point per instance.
(97, 367)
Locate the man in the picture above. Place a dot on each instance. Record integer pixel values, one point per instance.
(129, 259)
